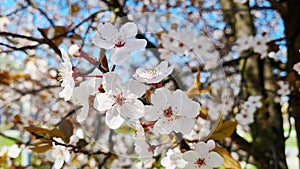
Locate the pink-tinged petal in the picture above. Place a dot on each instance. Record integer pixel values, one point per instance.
(59, 162)
(112, 82)
(128, 30)
(136, 44)
(152, 113)
(103, 102)
(107, 31)
(213, 159)
(160, 97)
(113, 119)
(103, 43)
(211, 144)
(190, 156)
(202, 149)
(119, 55)
(132, 109)
(136, 87)
(184, 125)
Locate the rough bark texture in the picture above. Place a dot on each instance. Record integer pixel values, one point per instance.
(292, 32)
(267, 130)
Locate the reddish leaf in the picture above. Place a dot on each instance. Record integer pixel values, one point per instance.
(66, 127)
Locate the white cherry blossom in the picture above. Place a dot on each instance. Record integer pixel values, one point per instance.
(248, 108)
(154, 75)
(173, 159)
(143, 149)
(66, 72)
(283, 92)
(240, 1)
(12, 151)
(173, 111)
(122, 41)
(296, 67)
(260, 46)
(120, 101)
(244, 42)
(84, 90)
(244, 118)
(202, 157)
(74, 50)
(58, 154)
(255, 101)
(4, 21)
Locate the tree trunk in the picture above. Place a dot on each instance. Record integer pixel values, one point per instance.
(292, 32)
(267, 131)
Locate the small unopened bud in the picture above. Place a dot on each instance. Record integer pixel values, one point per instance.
(74, 50)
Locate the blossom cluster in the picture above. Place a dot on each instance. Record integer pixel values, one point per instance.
(143, 103)
(248, 108)
(258, 43)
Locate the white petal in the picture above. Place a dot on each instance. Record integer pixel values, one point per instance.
(66, 93)
(136, 87)
(67, 155)
(163, 126)
(74, 50)
(214, 159)
(112, 82)
(65, 56)
(186, 107)
(202, 149)
(103, 43)
(136, 44)
(184, 125)
(132, 109)
(94, 83)
(83, 113)
(113, 118)
(211, 144)
(128, 30)
(163, 65)
(190, 156)
(107, 31)
(59, 162)
(152, 113)
(13, 151)
(119, 55)
(160, 97)
(81, 92)
(103, 102)
(190, 166)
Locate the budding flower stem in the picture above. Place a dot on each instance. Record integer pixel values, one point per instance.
(92, 61)
(149, 124)
(113, 68)
(97, 76)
